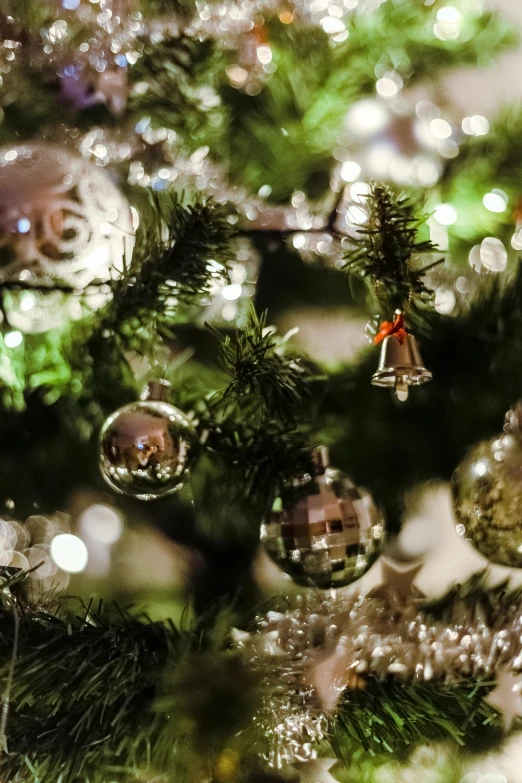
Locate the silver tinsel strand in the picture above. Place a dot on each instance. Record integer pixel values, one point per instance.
(371, 637)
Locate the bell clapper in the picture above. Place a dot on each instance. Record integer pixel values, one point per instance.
(401, 389)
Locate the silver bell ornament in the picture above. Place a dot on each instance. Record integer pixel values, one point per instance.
(323, 530)
(146, 447)
(487, 491)
(400, 364)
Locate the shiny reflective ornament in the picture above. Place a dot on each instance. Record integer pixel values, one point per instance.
(323, 530)
(63, 223)
(487, 489)
(146, 447)
(400, 363)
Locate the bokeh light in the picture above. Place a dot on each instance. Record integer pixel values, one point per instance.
(101, 523)
(445, 214)
(69, 553)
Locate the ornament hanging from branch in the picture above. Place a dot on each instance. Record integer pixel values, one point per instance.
(400, 363)
(385, 255)
(147, 447)
(323, 530)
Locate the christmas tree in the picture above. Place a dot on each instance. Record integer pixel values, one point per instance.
(191, 591)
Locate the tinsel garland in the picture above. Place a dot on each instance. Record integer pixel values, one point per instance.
(308, 655)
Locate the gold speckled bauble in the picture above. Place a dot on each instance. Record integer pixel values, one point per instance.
(63, 223)
(323, 530)
(146, 447)
(487, 488)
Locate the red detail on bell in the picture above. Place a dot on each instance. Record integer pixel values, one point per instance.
(388, 328)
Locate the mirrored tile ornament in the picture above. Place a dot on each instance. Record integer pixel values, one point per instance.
(487, 489)
(323, 530)
(64, 224)
(146, 447)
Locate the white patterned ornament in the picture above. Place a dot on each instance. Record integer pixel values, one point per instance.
(63, 223)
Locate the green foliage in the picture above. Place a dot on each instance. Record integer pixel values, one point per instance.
(207, 703)
(392, 717)
(173, 83)
(83, 702)
(258, 456)
(103, 693)
(179, 249)
(485, 601)
(100, 692)
(387, 249)
(484, 164)
(298, 115)
(262, 369)
(417, 55)
(261, 424)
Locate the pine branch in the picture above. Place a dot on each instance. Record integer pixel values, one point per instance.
(387, 249)
(206, 704)
(82, 691)
(392, 717)
(173, 83)
(264, 372)
(100, 697)
(180, 249)
(257, 455)
(260, 426)
(96, 694)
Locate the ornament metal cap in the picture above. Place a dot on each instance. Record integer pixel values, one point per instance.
(400, 365)
(156, 391)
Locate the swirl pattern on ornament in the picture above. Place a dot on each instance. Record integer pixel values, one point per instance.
(61, 218)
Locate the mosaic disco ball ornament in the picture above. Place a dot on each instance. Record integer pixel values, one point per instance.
(146, 447)
(323, 530)
(63, 223)
(487, 488)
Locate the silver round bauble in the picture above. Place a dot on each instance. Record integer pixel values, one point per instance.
(146, 449)
(323, 531)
